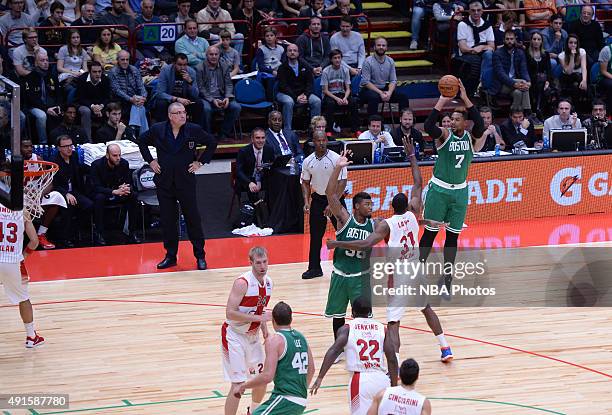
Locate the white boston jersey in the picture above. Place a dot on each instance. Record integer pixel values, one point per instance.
(404, 233)
(254, 302)
(398, 400)
(11, 235)
(364, 348)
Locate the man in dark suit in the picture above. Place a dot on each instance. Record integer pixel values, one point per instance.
(111, 179)
(177, 161)
(284, 141)
(250, 175)
(517, 128)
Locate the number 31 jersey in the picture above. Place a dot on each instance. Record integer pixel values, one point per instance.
(364, 348)
(404, 234)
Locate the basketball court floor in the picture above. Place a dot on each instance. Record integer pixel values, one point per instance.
(123, 339)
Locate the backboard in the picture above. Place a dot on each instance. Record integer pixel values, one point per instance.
(11, 191)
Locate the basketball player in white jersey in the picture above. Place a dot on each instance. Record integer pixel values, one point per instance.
(401, 231)
(402, 399)
(366, 347)
(13, 274)
(243, 353)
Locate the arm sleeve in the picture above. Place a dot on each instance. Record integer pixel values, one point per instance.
(430, 124)
(478, 129)
(99, 185)
(162, 85)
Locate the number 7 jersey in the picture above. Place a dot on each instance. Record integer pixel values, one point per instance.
(364, 348)
(454, 158)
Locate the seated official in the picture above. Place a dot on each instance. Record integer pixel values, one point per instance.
(517, 128)
(111, 178)
(250, 165)
(283, 140)
(114, 128)
(376, 133)
(566, 119)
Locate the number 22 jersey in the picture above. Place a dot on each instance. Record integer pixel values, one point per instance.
(364, 348)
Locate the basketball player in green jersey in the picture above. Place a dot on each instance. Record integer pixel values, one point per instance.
(351, 270)
(289, 362)
(447, 193)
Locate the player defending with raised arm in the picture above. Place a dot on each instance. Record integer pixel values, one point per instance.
(351, 269)
(13, 273)
(401, 231)
(243, 353)
(447, 194)
(402, 399)
(289, 362)
(364, 340)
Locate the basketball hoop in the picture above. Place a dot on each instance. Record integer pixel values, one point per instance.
(37, 176)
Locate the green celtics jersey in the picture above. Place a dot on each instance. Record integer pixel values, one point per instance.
(454, 159)
(290, 378)
(349, 262)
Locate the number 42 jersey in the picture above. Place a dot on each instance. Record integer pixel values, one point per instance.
(364, 348)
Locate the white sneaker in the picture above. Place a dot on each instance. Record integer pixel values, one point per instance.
(414, 45)
(339, 358)
(336, 128)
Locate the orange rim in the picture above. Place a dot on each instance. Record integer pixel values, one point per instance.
(44, 168)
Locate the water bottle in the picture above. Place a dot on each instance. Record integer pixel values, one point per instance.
(36, 150)
(497, 150)
(81, 154)
(417, 151)
(546, 144)
(292, 167)
(46, 152)
(377, 155)
(7, 153)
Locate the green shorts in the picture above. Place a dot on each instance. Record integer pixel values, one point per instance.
(445, 205)
(343, 290)
(279, 405)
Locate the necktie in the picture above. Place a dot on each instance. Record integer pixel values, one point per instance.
(283, 141)
(258, 160)
(511, 74)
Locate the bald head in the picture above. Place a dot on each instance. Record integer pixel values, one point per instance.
(212, 56)
(113, 155)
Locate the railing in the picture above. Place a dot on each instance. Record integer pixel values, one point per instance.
(602, 15)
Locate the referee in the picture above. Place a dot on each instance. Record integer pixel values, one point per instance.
(316, 170)
(175, 141)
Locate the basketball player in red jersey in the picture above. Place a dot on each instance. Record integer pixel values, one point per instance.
(243, 353)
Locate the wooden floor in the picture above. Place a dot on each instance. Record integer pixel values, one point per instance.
(150, 344)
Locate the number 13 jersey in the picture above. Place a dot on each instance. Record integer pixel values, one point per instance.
(364, 348)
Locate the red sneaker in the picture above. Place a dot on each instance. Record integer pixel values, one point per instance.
(34, 342)
(44, 242)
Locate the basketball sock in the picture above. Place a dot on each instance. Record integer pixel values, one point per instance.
(450, 249)
(426, 243)
(30, 329)
(399, 363)
(442, 340)
(42, 230)
(338, 322)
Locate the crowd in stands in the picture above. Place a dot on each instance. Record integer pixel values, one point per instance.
(83, 81)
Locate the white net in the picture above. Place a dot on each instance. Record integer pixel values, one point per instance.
(37, 177)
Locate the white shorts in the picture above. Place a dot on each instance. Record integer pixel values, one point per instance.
(363, 386)
(243, 355)
(10, 277)
(53, 198)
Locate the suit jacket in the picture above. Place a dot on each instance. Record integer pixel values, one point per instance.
(88, 93)
(292, 140)
(511, 136)
(245, 163)
(166, 80)
(32, 88)
(69, 174)
(105, 179)
(224, 81)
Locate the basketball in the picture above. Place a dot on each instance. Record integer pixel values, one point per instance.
(448, 86)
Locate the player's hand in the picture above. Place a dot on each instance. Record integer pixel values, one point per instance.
(343, 161)
(155, 166)
(25, 277)
(239, 390)
(331, 244)
(408, 147)
(433, 223)
(315, 386)
(306, 208)
(462, 92)
(327, 211)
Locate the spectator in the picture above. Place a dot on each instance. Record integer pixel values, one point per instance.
(605, 77)
(54, 37)
(510, 4)
(510, 74)
(42, 6)
(71, 62)
(71, 11)
(295, 86)
(343, 9)
(217, 90)
(351, 45)
(445, 121)
(540, 72)
(599, 129)
(147, 16)
(16, 18)
(406, 129)
(508, 24)
(213, 13)
(336, 87)
(419, 9)
(69, 182)
(379, 79)
(573, 60)
(23, 56)
(589, 34)
(250, 161)
(291, 8)
(117, 16)
(69, 127)
(191, 45)
(492, 134)
(517, 128)
(41, 96)
(283, 140)
(554, 38)
(127, 86)
(269, 55)
(88, 36)
(114, 129)
(314, 47)
(316, 8)
(177, 83)
(541, 13)
(106, 50)
(93, 92)
(182, 15)
(252, 15)
(229, 55)
(111, 178)
(375, 132)
(476, 54)
(569, 9)
(566, 119)
(444, 11)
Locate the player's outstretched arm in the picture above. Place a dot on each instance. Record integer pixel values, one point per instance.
(391, 357)
(376, 403)
(232, 312)
(331, 355)
(415, 204)
(380, 232)
(274, 348)
(333, 200)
